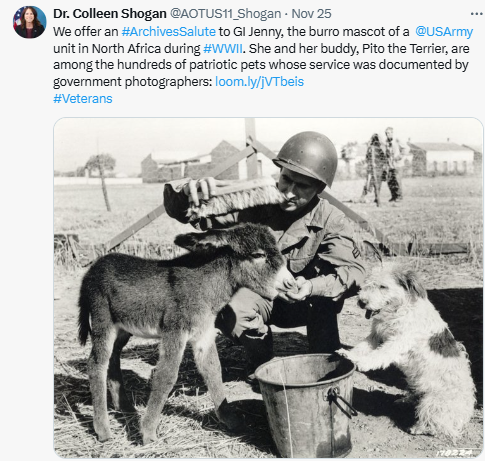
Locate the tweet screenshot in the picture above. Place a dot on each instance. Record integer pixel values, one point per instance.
(243, 229)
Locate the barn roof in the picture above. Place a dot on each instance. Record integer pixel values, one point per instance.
(175, 157)
(184, 156)
(474, 147)
(194, 158)
(223, 145)
(437, 146)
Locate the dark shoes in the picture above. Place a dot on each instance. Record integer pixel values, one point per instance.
(251, 379)
(250, 373)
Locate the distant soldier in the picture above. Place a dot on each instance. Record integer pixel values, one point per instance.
(393, 150)
(376, 162)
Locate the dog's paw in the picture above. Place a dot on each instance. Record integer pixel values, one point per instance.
(420, 429)
(405, 399)
(362, 365)
(343, 352)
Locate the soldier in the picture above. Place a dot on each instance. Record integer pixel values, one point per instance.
(376, 161)
(314, 237)
(393, 149)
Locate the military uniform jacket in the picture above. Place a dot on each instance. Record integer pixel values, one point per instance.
(393, 150)
(317, 245)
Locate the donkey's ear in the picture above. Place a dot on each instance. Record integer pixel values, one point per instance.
(187, 241)
(201, 241)
(410, 281)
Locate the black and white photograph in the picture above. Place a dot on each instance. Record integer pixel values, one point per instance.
(268, 287)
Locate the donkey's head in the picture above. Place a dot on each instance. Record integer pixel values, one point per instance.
(256, 261)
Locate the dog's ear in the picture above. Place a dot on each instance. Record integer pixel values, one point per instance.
(410, 281)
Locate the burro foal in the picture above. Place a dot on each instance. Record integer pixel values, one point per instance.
(175, 302)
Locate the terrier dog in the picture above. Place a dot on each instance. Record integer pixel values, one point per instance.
(407, 331)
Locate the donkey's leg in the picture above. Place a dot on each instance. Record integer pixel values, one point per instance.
(103, 338)
(209, 365)
(115, 380)
(164, 377)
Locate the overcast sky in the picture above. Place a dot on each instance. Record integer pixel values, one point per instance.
(129, 140)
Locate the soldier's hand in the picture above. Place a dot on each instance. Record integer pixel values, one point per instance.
(287, 286)
(305, 289)
(205, 186)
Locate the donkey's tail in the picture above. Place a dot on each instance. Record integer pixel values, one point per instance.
(84, 327)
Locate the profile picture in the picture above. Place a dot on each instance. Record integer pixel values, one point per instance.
(29, 22)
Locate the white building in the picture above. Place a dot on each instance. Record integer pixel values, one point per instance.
(431, 158)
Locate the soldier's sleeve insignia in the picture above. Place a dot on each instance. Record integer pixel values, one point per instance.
(356, 252)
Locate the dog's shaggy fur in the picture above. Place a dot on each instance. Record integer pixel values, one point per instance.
(408, 332)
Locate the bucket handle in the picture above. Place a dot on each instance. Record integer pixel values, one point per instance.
(334, 394)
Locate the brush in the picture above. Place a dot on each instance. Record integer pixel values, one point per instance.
(237, 196)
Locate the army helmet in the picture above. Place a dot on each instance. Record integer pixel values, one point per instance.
(311, 154)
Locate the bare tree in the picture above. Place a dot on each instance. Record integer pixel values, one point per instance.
(102, 163)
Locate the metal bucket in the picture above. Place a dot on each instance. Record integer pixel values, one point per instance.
(308, 400)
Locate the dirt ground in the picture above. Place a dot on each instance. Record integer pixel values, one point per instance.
(189, 428)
